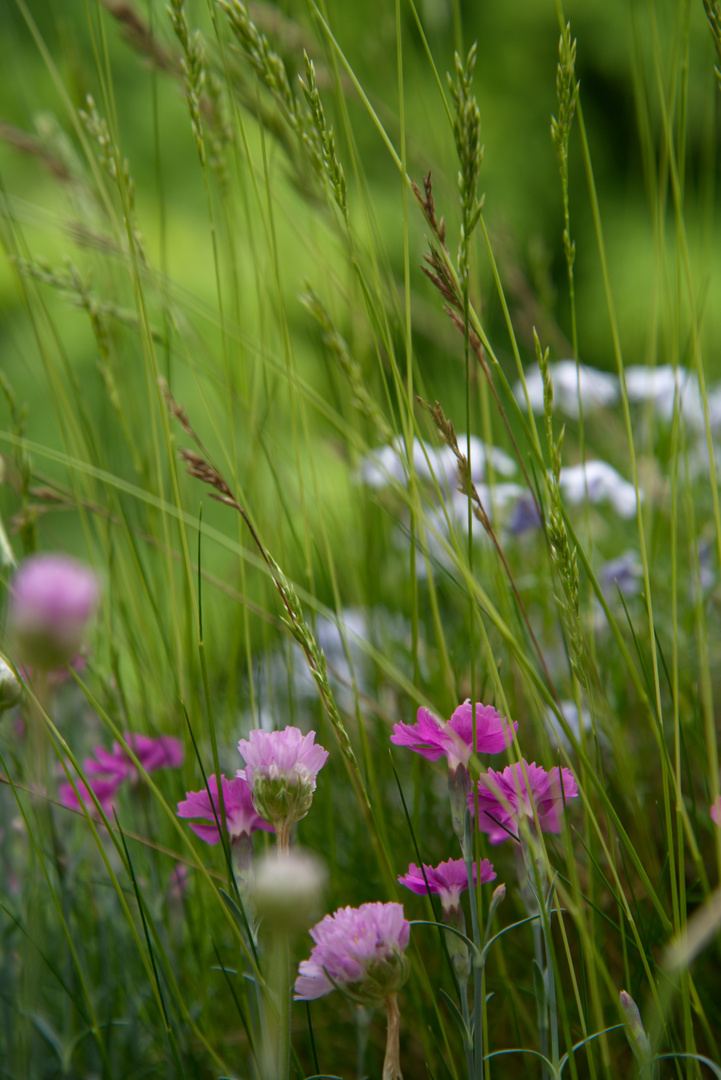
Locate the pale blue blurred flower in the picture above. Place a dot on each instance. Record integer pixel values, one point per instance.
(602, 483)
(599, 389)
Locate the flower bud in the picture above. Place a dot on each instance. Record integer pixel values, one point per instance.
(282, 799)
(383, 979)
(636, 1033)
(51, 600)
(10, 687)
(499, 894)
(288, 889)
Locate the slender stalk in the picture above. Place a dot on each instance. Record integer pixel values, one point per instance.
(276, 1052)
(477, 969)
(468, 1041)
(282, 837)
(391, 1061)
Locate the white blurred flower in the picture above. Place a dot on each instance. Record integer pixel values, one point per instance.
(10, 688)
(288, 889)
(659, 384)
(599, 389)
(388, 464)
(481, 453)
(493, 499)
(603, 483)
(713, 397)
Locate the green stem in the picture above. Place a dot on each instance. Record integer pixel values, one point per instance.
(276, 1056)
(477, 968)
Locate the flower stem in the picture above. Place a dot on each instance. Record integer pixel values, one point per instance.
(282, 837)
(477, 969)
(391, 1062)
(276, 1057)
(38, 743)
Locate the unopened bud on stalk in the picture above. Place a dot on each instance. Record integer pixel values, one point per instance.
(10, 687)
(636, 1033)
(499, 894)
(288, 889)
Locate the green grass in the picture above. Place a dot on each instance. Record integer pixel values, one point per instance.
(199, 224)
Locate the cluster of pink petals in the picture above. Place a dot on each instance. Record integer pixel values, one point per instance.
(274, 754)
(165, 752)
(432, 737)
(716, 811)
(51, 600)
(447, 880)
(503, 798)
(349, 944)
(106, 770)
(240, 815)
(104, 791)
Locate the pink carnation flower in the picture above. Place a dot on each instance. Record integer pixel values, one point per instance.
(165, 752)
(240, 815)
(432, 738)
(359, 948)
(503, 798)
(269, 754)
(716, 811)
(104, 791)
(447, 880)
(51, 600)
(281, 770)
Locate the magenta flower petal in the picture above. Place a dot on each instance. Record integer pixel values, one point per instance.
(108, 765)
(361, 948)
(493, 731)
(432, 738)
(240, 814)
(104, 791)
(447, 880)
(164, 752)
(116, 765)
(426, 737)
(503, 798)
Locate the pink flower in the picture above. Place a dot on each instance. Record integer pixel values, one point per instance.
(161, 753)
(165, 752)
(240, 815)
(359, 948)
(51, 600)
(503, 798)
(433, 738)
(716, 811)
(104, 791)
(281, 770)
(448, 880)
